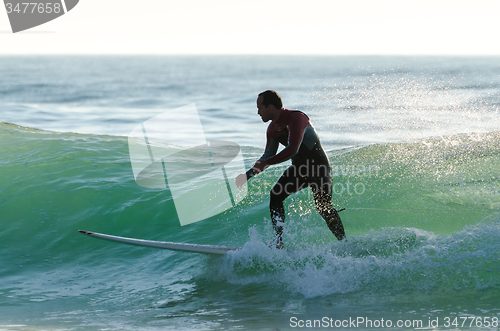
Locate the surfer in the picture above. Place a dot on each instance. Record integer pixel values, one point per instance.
(310, 166)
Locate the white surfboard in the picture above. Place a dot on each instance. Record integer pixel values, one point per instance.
(193, 248)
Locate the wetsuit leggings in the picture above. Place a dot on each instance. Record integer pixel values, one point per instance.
(321, 186)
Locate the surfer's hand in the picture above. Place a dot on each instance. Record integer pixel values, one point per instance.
(260, 166)
(240, 180)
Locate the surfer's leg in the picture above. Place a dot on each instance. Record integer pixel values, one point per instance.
(288, 183)
(278, 218)
(322, 192)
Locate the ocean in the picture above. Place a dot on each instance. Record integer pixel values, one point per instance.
(414, 144)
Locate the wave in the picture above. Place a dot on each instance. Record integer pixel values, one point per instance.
(390, 261)
(420, 216)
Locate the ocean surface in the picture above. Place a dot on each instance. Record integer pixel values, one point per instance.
(414, 144)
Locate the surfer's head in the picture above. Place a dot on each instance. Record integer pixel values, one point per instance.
(269, 105)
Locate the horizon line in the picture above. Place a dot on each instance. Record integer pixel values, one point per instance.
(259, 54)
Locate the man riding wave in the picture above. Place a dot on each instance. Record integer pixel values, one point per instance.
(310, 166)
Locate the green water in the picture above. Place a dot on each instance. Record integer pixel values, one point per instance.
(421, 219)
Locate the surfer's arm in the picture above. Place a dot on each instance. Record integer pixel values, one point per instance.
(243, 178)
(272, 145)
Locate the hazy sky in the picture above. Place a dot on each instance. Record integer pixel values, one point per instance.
(413, 27)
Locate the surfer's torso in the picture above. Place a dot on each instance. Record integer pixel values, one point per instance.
(294, 131)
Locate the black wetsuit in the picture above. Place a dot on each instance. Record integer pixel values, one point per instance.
(310, 167)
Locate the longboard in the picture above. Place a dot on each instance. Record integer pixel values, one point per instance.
(193, 248)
